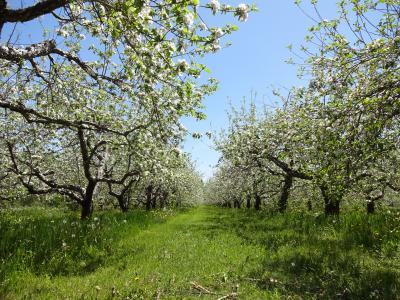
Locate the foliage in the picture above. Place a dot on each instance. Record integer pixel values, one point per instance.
(96, 103)
(341, 132)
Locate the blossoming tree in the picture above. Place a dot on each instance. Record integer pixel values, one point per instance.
(101, 90)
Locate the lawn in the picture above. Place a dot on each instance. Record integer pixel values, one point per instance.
(205, 252)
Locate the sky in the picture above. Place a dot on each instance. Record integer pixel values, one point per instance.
(253, 65)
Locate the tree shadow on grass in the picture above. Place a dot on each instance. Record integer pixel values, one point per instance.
(310, 256)
(57, 243)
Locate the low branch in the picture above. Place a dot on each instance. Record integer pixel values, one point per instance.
(286, 168)
(27, 53)
(33, 116)
(52, 186)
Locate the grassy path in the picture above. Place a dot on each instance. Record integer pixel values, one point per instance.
(160, 261)
(254, 254)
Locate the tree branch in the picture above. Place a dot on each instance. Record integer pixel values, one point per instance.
(31, 12)
(33, 116)
(53, 187)
(33, 51)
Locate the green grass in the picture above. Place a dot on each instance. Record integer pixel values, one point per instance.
(50, 254)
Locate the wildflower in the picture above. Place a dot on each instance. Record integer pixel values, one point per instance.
(64, 221)
(215, 6)
(188, 19)
(124, 221)
(96, 219)
(97, 288)
(64, 244)
(72, 235)
(242, 12)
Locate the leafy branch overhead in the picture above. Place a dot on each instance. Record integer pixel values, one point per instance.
(102, 90)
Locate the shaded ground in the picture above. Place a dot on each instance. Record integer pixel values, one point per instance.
(159, 255)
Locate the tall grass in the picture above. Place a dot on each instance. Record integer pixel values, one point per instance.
(354, 256)
(56, 242)
(51, 254)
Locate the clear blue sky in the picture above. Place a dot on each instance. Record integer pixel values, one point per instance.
(254, 63)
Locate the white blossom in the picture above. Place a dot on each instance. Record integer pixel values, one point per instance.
(188, 19)
(218, 33)
(215, 6)
(243, 12)
(62, 32)
(215, 47)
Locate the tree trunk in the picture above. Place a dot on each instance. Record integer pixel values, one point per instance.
(87, 204)
(149, 196)
(332, 207)
(309, 205)
(257, 202)
(123, 203)
(248, 201)
(370, 206)
(283, 200)
(237, 204)
(154, 202)
(332, 204)
(163, 199)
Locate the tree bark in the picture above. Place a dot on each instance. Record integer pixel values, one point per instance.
(32, 12)
(283, 200)
(87, 203)
(123, 203)
(257, 202)
(332, 204)
(370, 206)
(154, 202)
(248, 201)
(332, 207)
(238, 204)
(149, 196)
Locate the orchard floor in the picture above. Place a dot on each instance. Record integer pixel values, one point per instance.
(201, 253)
